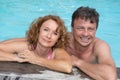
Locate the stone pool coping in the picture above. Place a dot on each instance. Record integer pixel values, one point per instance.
(26, 71)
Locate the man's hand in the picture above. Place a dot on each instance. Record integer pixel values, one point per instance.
(75, 60)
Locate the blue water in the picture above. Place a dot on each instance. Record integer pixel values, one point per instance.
(16, 15)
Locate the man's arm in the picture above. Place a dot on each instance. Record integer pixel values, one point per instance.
(104, 70)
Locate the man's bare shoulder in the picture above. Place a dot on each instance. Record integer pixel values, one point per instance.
(101, 45)
(69, 34)
(70, 37)
(100, 42)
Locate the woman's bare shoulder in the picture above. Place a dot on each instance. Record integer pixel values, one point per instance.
(58, 50)
(16, 42)
(14, 45)
(13, 40)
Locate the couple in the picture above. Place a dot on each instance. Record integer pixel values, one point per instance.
(48, 44)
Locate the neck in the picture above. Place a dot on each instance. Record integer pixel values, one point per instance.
(42, 51)
(79, 47)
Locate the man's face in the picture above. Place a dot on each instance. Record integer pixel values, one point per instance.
(84, 31)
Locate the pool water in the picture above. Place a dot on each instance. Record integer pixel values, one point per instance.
(16, 15)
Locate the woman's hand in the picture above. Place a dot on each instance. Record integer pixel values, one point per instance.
(28, 56)
(17, 58)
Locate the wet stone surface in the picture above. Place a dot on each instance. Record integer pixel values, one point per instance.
(26, 71)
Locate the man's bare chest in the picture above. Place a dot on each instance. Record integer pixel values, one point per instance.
(88, 56)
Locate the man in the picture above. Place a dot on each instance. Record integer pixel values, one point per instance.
(89, 53)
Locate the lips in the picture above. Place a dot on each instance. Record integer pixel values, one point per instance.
(45, 40)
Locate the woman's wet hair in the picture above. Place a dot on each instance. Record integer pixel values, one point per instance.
(33, 33)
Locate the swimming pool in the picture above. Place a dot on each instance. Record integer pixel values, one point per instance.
(16, 15)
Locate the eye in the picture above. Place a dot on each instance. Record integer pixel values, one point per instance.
(45, 29)
(91, 29)
(55, 33)
(79, 28)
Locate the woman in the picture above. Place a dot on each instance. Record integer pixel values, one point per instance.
(43, 45)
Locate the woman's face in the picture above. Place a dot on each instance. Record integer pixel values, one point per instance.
(48, 35)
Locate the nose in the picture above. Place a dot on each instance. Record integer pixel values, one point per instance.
(85, 32)
(49, 35)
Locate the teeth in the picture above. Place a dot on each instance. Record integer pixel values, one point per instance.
(85, 39)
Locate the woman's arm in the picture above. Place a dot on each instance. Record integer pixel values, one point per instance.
(64, 60)
(61, 61)
(9, 48)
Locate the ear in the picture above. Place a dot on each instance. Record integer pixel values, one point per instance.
(72, 29)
